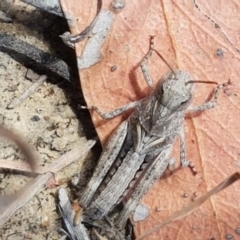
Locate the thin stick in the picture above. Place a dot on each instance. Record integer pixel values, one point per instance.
(27, 92)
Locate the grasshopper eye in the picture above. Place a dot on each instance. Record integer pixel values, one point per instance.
(184, 102)
(162, 90)
(185, 98)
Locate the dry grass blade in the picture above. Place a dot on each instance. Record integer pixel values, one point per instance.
(70, 157)
(98, 235)
(10, 204)
(54, 167)
(193, 206)
(27, 92)
(5, 200)
(20, 166)
(23, 196)
(21, 144)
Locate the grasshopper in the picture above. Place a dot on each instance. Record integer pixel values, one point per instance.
(140, 149)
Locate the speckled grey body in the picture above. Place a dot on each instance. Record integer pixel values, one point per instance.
(140, 150)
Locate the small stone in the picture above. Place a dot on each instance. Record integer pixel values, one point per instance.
(237, 230)
(59, 132)
(185, 195)
(118, 4)
(229, 236)
(113, 68)
(35, 118)
(195, 194)
(31, 75)
(141, 212)
(219, 52)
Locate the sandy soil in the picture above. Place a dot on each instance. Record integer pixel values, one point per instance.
(49, 120)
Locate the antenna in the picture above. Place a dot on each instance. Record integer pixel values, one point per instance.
(158, 53)
(201, 81)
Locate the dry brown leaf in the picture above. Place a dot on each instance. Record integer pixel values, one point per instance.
(191, 207)
(204, 41)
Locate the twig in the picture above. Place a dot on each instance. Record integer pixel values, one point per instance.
(27, 92)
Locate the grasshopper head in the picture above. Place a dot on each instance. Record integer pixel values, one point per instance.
(175, 90)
